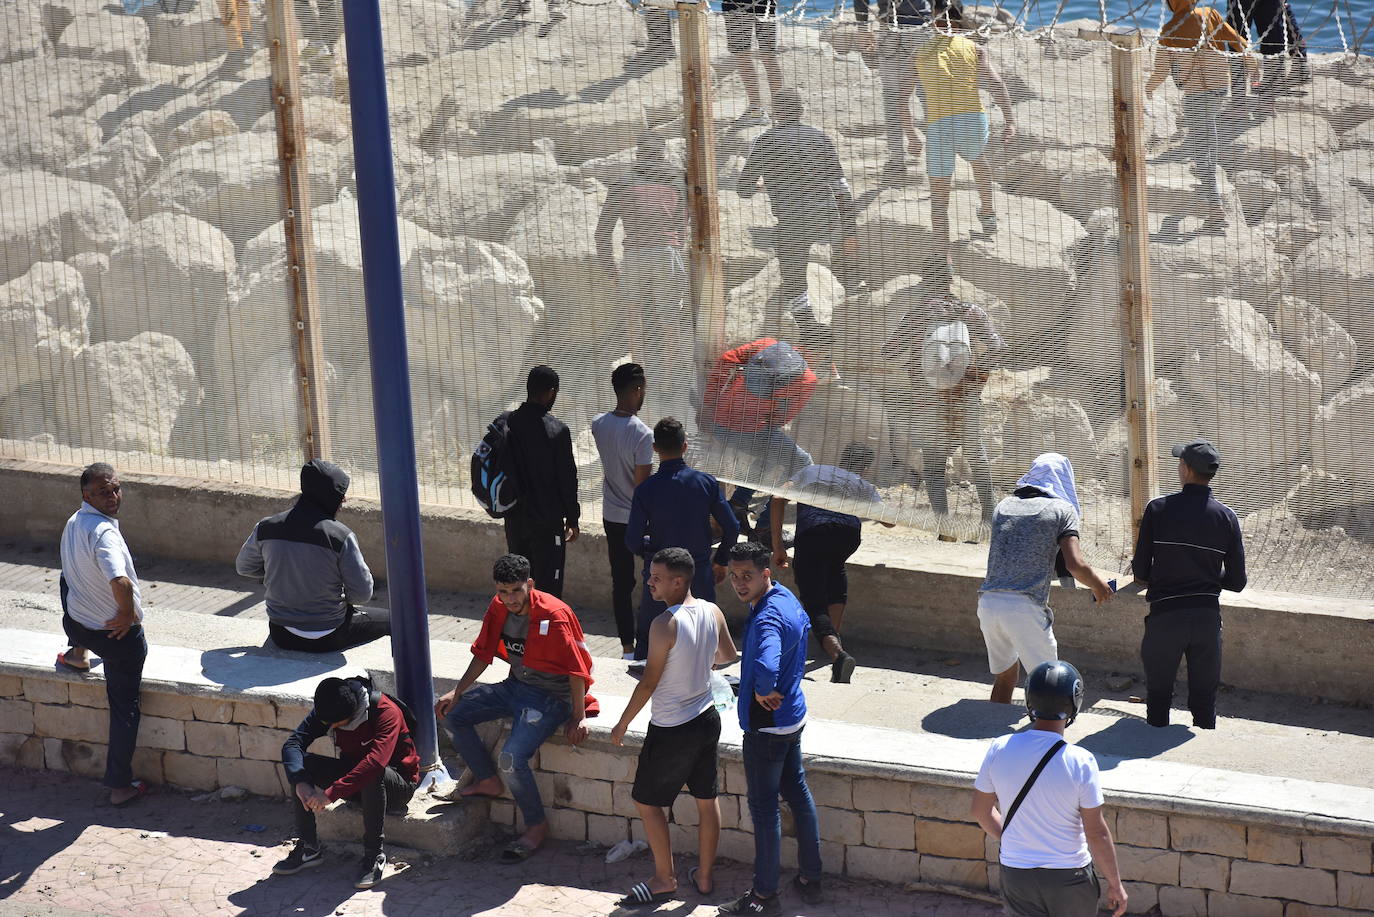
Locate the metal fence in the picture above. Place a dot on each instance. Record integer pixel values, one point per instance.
(177, 220)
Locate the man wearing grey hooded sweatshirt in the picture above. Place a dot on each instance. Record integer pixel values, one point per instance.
(313, 569)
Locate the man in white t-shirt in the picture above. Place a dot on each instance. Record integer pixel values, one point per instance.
(626, 446)
(102, 612)
(1041, 798)
(686, 642)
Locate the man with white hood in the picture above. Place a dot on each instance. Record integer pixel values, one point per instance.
(1038, 520)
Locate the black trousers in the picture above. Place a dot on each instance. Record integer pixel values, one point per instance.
(543, 547)
(360, 626)
(622, 581)
(1170, 636)
(123, 661)
(1051, 892)
(818, 563)
(390, 792)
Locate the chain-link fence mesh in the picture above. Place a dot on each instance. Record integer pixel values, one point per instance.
(148, 314)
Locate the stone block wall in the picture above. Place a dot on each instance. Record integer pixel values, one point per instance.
(877, 822)
(883, 824)
(192, 741)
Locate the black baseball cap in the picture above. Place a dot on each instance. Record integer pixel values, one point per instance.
(1199, 455)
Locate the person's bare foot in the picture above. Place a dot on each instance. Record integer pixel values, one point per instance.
(489, 787)
(77, 657)
(125, 794)
(534, 836)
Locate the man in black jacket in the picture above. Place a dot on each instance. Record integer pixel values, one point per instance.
(544, 521)
(1188, 550)
(313, 570)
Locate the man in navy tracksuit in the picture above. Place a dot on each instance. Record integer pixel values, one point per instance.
(1188, 550)
(673, 508)
(772, 713)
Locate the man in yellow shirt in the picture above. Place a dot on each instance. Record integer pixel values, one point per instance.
(950, 67)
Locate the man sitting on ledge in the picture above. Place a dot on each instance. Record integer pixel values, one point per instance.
(313, 570)
(377, 763)
(550, 672)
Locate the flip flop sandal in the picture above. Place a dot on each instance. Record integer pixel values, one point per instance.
(516, 852)
(692, 877)
(641, 896)
(62, 663)
(142, 789)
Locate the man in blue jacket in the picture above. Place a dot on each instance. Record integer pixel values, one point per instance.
(673, 508)
(772, 712)
(1188, 550)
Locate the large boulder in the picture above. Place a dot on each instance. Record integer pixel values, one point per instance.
(235, 183)
(1290, 138)
(112, 37)
(441, 441)
(49, 218)
(126, 164)
(326, 120)
(579, 130)
(29, 83)
(1333, 273)
(1253, 397)
(257, 318)
(1021, 422)
(21, 32)
(555, 234)
(48, 143)
(755, 309)
(1343, 438)
(125, 395)
(479, 196)
(421, 31)
(205, 126)
(1077, 181)
(471, 313)
(186, 39)
(274, 392)
(171, 273)
(42, 322)
(1316, 339)
(838, 415)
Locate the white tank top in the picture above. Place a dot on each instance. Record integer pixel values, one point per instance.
(684, 691)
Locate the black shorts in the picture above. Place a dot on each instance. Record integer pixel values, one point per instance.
(747, 23)
(676, 755)
(819, 556)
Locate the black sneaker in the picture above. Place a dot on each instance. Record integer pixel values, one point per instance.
(841, 670)
(809, 889)
(301, 857)
(372, 871)
(751, 904)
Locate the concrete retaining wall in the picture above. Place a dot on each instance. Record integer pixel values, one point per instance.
(885, 822)
(1269, 648)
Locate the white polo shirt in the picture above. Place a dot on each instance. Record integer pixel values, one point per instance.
(1047, 832)
(93, 554)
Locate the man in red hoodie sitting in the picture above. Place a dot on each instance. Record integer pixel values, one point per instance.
(377, 763)
(550, 672)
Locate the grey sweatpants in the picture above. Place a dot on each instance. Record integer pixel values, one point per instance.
(1050, 892)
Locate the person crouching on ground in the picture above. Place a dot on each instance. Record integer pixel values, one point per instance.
(377, 764)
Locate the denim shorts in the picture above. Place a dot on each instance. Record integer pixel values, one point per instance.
(964, 134)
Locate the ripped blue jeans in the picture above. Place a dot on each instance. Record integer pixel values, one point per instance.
(535, 715)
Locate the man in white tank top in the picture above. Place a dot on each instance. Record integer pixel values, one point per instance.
(685, 643)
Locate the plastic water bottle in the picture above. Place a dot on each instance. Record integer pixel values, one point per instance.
(721, 695)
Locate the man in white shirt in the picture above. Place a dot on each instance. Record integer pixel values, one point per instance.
(685, 643)
(626, 446)
(102, 612)
(1042, 799)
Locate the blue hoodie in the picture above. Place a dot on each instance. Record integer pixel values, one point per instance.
(774, 659)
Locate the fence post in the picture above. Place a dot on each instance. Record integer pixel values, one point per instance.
(1137, 310)
(704, 258)
(295, 184)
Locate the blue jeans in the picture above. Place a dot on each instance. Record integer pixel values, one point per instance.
(535, 715)
(123, 663)
(773, 767)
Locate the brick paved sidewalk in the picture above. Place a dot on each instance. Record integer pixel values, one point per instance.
(64, 851)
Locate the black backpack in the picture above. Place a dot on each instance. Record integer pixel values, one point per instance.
(492, 482)
(406, 713)
(773, 368)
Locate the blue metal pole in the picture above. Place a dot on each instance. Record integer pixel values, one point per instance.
(386, 334)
